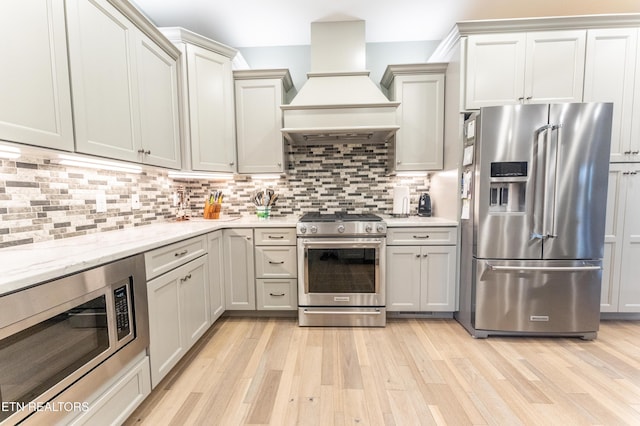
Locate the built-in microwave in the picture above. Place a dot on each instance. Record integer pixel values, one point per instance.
(56, 333)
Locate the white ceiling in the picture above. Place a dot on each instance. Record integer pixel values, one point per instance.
(252, 23)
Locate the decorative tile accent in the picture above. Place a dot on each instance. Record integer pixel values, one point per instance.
(40, 200)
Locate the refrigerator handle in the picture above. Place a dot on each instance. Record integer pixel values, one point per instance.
(540, 138)
(551, 166)
(544, 268)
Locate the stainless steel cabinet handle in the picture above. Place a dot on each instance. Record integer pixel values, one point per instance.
(141, 151)
(529, 98)
(276, 294)
(425, 255)
(275, 263)
(627, 152)
(276, 237)
(185, 278)
(521, 98)
(635, 152)
(418, 255)
(148, 152)
(231, 163)
(421, 237)
(181, 253)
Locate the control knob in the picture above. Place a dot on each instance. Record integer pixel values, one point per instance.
(368, 227)
(341, 229)
(313, 229)
(303, 229)
(380, 228)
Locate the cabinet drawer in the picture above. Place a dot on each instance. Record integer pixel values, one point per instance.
(422, 236)
(166, 258)
(276, 294)
(275, 236)
(275, 262)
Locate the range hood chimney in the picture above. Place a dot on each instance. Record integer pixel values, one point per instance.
(339, 102)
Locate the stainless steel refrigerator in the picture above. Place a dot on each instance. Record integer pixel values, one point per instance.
(534, 192)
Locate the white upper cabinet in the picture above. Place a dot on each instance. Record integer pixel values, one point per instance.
(122, 87)
(610, 72)
(207, 100)
(159, 107)
(419, 143)
(34, 78)
(259, 94)
(535, 67)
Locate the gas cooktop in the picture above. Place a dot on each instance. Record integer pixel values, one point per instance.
(340, 217)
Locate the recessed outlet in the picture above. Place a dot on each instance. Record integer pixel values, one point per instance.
(135, 202)
(101, 202)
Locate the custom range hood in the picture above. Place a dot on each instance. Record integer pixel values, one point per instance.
(339, 102)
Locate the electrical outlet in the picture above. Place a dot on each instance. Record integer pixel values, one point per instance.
(135, 202)
(101, 202)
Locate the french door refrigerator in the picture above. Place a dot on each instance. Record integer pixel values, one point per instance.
(534, 191)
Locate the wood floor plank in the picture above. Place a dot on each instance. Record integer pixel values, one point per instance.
(269, 371)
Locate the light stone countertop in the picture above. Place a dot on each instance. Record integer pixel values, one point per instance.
(398, 222)
(27, 265)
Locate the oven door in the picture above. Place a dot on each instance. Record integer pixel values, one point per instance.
(341, 272)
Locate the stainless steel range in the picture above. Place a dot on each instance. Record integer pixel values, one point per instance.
(341, 270)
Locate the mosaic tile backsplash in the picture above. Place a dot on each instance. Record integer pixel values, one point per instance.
(40, 200)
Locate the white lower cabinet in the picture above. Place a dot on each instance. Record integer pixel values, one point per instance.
(178, 314)
(420, 277)
(277, 294)
(239, 275)
(620, 285)
(276, 269)
(216, 274)
(116, 400)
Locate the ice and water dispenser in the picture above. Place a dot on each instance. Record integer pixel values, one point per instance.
(507, 187)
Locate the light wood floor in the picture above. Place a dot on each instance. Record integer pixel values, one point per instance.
(413, 372)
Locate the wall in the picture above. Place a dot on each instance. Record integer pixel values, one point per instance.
(41, 200)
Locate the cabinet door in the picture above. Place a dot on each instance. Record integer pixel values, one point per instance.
(166, 343)
(403, 278)
(419, 141)
(34, 79)
(105, 91)
(495, 69)
(258, 121)
(609, 77)
(438, 278)
(159, 125)
(634, 142)
(194, 300)
(216, 275)
(211, 112)
(554, 66)
(630, 271)
(276, 261)
(239, 275)
(613, 235)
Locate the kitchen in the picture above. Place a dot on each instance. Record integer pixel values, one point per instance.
(47, 199)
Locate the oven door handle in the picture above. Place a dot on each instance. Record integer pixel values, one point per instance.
(339, 243)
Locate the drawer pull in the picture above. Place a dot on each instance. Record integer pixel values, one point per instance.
(181, 253)
(276, 237)
(276, 294)
(185, 278)
(420, 237)
(271, 262)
